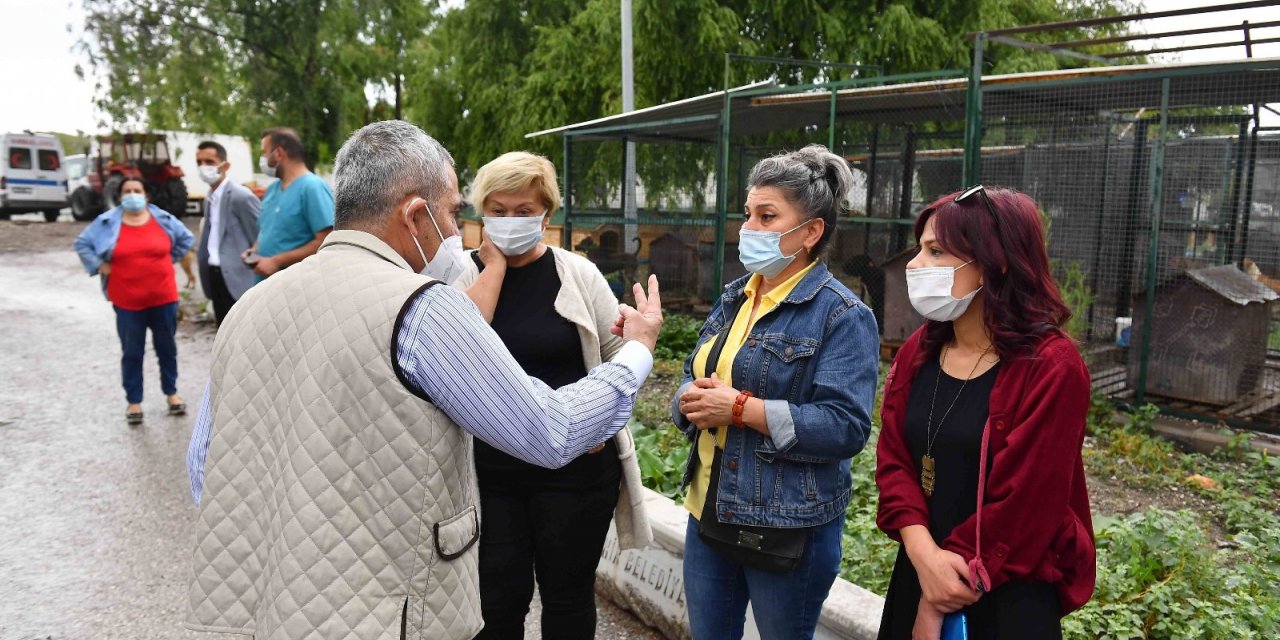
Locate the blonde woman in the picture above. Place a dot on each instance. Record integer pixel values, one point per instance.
(553, 311)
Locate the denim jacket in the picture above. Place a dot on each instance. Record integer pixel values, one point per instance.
(815, 362)
(98, 240)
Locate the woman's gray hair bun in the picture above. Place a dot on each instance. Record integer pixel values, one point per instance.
(813, 178)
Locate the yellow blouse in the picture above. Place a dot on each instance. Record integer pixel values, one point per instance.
(738, 331)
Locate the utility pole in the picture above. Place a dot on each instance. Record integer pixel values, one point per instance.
(628, 105)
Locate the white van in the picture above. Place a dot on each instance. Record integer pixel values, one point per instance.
(32, 177)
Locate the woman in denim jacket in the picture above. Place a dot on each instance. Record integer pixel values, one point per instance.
(132, 248)
(788, 404)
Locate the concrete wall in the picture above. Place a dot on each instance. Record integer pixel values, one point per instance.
(649, 583)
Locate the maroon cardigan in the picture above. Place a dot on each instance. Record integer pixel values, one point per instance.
(1035, 514)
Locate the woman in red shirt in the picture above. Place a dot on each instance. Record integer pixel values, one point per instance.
(133, 247)
(979, 458)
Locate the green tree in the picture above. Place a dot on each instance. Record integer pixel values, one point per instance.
(481, 75)
(494, 70)
(242, 65)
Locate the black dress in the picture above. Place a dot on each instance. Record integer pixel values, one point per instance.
(1016, 610)
(543, 525)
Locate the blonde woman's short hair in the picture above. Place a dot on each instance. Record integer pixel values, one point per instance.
(516, 171)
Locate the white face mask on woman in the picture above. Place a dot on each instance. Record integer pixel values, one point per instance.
(450, 257)
(930, 291)
(514, 235)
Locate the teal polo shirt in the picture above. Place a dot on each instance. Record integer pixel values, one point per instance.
(292, 217)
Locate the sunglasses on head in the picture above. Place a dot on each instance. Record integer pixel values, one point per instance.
(980, 191)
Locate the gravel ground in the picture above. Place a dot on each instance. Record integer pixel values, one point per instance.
(95, 516)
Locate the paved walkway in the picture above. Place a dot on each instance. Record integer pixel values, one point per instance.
(95, 535)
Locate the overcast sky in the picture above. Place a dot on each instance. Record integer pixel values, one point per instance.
(41, 90)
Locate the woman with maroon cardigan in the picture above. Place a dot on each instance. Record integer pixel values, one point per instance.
(986, 401)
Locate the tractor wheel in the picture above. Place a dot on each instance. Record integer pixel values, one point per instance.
(85, 204)
(172, 197)
(51, 216)
(110, 190)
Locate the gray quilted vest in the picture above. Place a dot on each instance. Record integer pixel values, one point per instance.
(337, 504)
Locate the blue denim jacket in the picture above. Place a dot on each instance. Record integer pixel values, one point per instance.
(815, 361)
(98, 240)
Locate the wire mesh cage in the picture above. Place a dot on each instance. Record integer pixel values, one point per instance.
(1157, 188)
(1158, 185)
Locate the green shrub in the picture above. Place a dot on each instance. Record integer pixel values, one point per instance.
(868, 553)
(1159, 574)
(1158, 578)
(661, 454)
(679, 336)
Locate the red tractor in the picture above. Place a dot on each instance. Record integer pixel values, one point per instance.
(141, 156)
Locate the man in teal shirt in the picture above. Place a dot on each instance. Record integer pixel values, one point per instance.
(297, 211)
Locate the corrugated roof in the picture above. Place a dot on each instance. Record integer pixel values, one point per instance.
(707, 104)
(1233, 284)
(1037, 93)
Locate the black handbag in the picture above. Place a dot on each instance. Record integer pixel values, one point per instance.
(771, 549)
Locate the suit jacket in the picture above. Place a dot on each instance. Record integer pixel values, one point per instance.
(238, 210)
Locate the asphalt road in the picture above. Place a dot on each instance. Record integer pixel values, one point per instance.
(95, 516)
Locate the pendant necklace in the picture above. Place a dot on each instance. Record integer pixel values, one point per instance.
(927, 463)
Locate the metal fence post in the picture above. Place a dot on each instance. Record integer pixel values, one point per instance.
(908, 183)
(973, 115)
(567, 235)
(831, 123)
(1133, 209)
(1233, 205)
(1248, 191)
(722, 183)
(1094, 269)
(1157, 192)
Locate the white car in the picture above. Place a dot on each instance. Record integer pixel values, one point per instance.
(77, 166)
(32, 178)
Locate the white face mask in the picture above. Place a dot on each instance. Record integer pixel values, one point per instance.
(266, 167)
(930, 291)
(450, 257)
(209, 173)
(515, 235)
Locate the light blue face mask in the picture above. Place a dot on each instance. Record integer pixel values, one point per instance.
(761, 251)
(133, 202)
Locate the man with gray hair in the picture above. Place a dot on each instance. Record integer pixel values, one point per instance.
(339, 498)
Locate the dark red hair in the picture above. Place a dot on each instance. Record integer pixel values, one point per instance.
(1022, 302)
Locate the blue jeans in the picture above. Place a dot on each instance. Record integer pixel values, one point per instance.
(132, 327)
(786, 606)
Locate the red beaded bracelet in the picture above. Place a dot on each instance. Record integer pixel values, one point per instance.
(739, 406)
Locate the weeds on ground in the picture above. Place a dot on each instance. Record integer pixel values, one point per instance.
(1159, 574)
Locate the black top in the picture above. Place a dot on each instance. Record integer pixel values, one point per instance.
(1017, 610)
(548, 348)
(957, 443)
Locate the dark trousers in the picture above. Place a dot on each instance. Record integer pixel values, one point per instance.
(221, 297)
(554, 533)
(132, 327)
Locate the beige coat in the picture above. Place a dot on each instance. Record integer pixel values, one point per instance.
(586, 300)
(337, 503)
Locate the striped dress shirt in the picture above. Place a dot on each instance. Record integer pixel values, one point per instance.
(450, 354)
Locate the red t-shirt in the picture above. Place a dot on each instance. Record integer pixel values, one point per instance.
(142, 273)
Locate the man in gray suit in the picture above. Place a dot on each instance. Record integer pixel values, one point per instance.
(230, 227)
